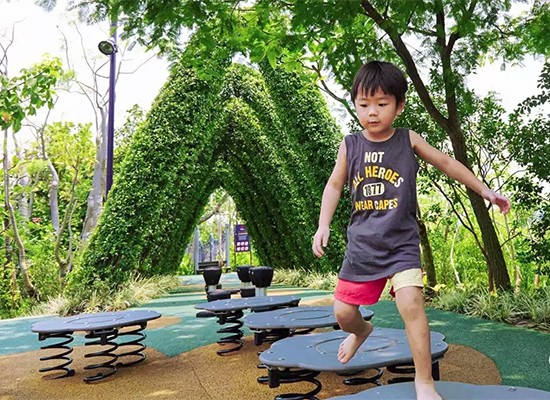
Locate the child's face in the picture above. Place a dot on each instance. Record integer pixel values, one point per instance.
(376, 113)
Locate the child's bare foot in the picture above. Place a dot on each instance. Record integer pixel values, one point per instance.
(349, 345)
(425, 390)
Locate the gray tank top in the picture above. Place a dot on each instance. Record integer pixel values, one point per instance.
(383, 233)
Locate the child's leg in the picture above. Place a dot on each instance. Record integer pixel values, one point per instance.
(350, 320)
(411, 307)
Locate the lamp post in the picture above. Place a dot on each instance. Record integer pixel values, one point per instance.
(109, 48)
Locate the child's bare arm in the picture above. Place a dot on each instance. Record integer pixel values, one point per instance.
(456, 170)
(331, 196)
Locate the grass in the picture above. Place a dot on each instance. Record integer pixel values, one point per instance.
(527, 308)
(138, 290)
(303, 278)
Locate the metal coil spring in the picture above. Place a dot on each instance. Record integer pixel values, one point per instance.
(409, 369)
(60, 356)
(401, 369)
(288, 375)
(363, 380)
(136, 342)
(105, 338)
(231, 317)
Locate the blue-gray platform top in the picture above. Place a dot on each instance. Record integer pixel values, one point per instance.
(297, 318)
(93, 322)
(450, 391)
(319, 352)
(247, 302)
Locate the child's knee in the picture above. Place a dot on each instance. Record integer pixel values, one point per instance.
(344, 313)
(409, 300)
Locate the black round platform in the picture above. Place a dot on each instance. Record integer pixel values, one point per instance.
(92, 322)
(297, 318)
(248, 302)
(450, 391)
(319, 352)
(103, 331)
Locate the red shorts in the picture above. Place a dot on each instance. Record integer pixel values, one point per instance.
(362, 293)
(365, 293)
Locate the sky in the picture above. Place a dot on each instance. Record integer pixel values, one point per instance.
(38, 32)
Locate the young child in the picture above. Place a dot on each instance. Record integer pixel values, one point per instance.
(380, 167)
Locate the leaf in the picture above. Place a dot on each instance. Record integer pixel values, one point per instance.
(257, 53)
(272, 58)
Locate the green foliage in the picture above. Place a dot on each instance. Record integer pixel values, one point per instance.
(124, 135)
(22, 95)
(256, 136)
(304, 278)
(39, 244)
(527, 307)
(134, 292)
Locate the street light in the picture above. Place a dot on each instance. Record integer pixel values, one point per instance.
(109, 48)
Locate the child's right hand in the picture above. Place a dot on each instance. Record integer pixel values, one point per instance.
(320, 240)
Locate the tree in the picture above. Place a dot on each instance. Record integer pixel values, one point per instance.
(529, 145)
(20, 96)
(339, 35)
(69, 152)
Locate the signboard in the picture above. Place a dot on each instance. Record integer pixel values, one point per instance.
(242, 240)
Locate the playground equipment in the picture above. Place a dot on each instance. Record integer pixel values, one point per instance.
(450, 391)
(247, 290)
(204, 254)
(231, 311)
(279, 324)
(103, 329)
(303, 358)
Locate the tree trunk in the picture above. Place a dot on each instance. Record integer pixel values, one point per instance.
(451, 255)
(31, 290)
(25, 182)
(517, 272)
(6, 268)
(97, 192)
(496, 266)
(427, 256)
(54, 203)
(64, 263)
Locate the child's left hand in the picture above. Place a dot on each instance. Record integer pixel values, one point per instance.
(502, 202)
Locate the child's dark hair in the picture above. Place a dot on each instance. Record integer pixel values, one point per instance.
(380, 74)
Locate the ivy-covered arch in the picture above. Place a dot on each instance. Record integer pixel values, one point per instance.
(264, 136)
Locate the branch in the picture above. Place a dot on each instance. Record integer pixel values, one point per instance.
(465, 17)
(450, 95)
(510, 238)
(66, 47)
(422, 31)
(326, 89)
(94, 72)
(214, 211)
(138, 67)
(4, 60)
(405, 55)
(451, 203)
(458, 197)
(66, 217)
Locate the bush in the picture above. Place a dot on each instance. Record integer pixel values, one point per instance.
(528, 307)
(134, 292)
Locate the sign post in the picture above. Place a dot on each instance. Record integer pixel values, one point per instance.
(242, 241)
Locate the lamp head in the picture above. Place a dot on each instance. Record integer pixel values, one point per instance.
(107, 47)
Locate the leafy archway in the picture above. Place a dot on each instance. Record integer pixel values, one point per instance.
(264, 136)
